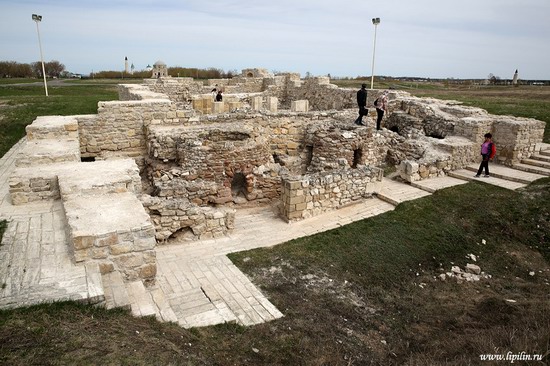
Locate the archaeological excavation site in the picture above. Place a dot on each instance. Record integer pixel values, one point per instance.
(167, 167)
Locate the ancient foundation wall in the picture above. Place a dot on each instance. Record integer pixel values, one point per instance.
(175, 215)
(179, 90)
(118, 128)
(311, 195)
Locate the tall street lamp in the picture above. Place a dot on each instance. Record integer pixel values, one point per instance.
(37, 19)
(375, 21)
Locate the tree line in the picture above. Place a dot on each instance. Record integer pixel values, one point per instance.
(13, 69)
(54, 68)
(210, 73)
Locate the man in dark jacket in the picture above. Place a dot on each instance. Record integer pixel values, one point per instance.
(362, 103)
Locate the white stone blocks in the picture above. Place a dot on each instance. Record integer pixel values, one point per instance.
(218, 107)
(257, 103)
(321, 192)
(112, 229)
(48, 151)
(53, 127)
(299, 106)
(272, 104)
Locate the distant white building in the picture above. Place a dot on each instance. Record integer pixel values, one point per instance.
(515, 78)
(160, 70)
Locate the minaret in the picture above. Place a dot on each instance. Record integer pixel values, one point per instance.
(515, 79)
(126, 64)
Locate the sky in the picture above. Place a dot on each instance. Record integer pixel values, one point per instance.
(460, 39)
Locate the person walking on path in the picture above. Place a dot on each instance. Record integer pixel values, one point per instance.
(488, 151)
(362, 103)
(381, 104)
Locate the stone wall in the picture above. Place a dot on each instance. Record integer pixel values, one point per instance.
(311, 195)
(179, 90)
(181, 216)
(515, 137)
(118, 128)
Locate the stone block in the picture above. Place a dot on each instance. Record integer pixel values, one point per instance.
(299, 106)
(257, 103)
(272, 104)
(218, 107)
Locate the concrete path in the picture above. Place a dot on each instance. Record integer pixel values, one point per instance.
(196, 284)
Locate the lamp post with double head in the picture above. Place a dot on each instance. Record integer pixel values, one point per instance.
(375, 21)
(38, 19)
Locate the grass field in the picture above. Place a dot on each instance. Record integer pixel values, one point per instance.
(20, 105)
(367, 293)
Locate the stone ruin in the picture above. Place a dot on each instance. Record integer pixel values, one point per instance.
(166, 161)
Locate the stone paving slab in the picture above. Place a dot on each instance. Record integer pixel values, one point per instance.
(532, 169)
(35, 264)
(435, 184)
(469, 176)
(397, 192)
(504, 172)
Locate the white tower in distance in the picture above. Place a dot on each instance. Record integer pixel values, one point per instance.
(126, 65)
(515, 79)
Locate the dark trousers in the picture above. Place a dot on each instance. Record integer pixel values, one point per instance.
(362, 112)
(484, 164)
(380, 114)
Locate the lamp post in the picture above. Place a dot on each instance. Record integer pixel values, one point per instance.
(37, 19)
(375, 21)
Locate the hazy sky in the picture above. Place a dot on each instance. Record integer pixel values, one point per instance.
(425, 38)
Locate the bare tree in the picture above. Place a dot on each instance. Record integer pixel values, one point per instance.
(54, 68)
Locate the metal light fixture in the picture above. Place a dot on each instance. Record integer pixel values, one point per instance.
(375, 21)
(38, 19)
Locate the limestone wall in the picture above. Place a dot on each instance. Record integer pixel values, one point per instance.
(179, 90)
(311, 195)
(175, 215)
(118, 128)
(137, 92)
(515, 137)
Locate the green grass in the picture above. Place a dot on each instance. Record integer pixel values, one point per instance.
(20, 105)
(8, 81)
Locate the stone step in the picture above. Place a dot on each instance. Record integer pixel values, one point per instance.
(141, 301)
(94, 282)
(396, 192)
(194, 308)
(545, 152)
(532, 169)
(53, 127)
(468, 175)
(116, 293)
(434, 184)
(508, 173)
(541, 157)
(49, 151)
(164, 310)
(537, 162)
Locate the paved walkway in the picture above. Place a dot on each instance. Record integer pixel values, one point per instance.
(196, 283)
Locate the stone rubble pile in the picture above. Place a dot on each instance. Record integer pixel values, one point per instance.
(471, 273)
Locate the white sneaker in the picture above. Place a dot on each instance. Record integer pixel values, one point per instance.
(486, 176)
(476, 176)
